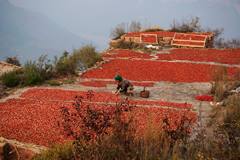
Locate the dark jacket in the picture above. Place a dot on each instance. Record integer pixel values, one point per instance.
(123, 85)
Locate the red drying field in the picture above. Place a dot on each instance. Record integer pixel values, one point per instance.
(35, 117)
(142, 70)
(66, 95)
(121, 53)
(31, 121)
(228, 56)
(105, 83)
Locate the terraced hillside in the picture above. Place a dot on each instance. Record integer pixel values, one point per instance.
(173, 77)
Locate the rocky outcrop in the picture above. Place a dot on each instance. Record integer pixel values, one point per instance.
(6, 67)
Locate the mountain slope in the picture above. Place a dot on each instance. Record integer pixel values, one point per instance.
(28, 34)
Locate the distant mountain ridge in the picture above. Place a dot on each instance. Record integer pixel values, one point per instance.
(28, 34)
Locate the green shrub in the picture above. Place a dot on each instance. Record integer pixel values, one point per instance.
(44, 67)
(33, 72)
(80, 59)
(36, 72)
(65, 64)
(11, 79)
(32, 75)
(86, 55)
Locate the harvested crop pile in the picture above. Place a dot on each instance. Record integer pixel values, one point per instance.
(143, 70)
(228, 56)
(34, 118)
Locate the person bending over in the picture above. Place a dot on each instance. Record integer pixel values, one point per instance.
(124, 86)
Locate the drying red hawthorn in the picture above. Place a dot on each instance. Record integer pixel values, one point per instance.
(66, 95)
(31, 121)
(59, 95)
(34, 118)
(227, 56)
(149, 38)
(189, 37)
(146, 70)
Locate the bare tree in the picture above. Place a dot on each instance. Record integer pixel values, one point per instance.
(118, 31)
(134, 26)
(222, 43)
(188, 25)
(216, 31)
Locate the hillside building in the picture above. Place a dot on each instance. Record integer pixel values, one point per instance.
(172, 39)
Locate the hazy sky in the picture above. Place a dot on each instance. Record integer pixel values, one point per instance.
(94, 19)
